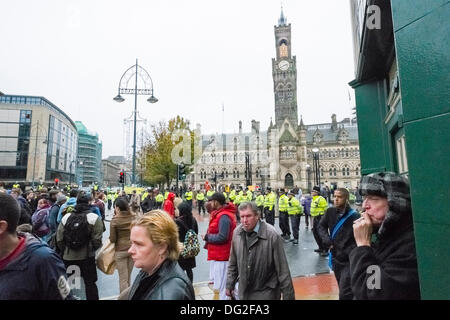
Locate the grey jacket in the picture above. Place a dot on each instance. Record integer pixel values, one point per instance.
(262, 272)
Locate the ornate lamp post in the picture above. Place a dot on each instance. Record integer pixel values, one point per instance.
(316, 166)
(147, 89)
(308, 172)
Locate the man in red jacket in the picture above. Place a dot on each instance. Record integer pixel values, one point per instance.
(218, 240)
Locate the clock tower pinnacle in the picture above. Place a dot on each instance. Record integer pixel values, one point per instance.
(284, 74)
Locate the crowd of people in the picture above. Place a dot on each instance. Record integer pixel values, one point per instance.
(45, 233)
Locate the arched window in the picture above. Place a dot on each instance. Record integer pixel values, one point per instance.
(237, 174)
(234, 174)
(283, 49)
(348, 171)
(331, 172)
(288, 180)
(235, 157)
(334, 172)
(321, 171)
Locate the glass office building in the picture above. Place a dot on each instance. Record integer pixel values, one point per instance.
(38, 141)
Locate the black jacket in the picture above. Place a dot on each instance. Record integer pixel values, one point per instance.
(183, 227)
(148, 204)
(344, 241)
(169, 282)
(343, 244)
(393, 253)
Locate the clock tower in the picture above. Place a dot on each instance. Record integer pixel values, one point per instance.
(284, 74)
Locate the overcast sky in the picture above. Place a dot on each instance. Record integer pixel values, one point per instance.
(199, 53)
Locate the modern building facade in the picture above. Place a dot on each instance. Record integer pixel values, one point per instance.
(89, 156)
(38, 141)
(402, 63)
(282, 156)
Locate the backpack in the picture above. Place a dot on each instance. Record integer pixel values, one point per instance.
(39, 223)
(191, 246)
(76, 233)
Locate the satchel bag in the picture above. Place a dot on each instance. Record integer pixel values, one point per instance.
(105, 259)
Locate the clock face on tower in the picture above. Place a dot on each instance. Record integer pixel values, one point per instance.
(283, 65)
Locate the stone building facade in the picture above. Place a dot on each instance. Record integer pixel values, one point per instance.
(282, 155)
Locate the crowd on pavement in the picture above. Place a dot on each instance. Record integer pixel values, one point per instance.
(44, 233)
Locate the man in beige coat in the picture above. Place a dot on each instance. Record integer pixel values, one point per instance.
(258, 260)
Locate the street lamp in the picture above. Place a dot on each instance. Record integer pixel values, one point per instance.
(35, 150)
(316, 166)
(70, 175)
(308, 172)
(124, 88)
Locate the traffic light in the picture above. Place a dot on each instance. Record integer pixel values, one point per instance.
(56, 181)
(122, 177)
(181, 171)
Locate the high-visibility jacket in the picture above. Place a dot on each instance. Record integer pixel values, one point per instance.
(259, 200)
(249, 196)
(144, 196)
(95, 187)
(225, 195)
(200, 196)
(318, 206)
(40, 187)
(210, 193)
(109, 197)
(232, 195)
(294, 207)
(237, 200)
(188, 195)
(283, 203)
(115, 196)
(269, 200)
(166, 194)
(159, 198)
(17, 186)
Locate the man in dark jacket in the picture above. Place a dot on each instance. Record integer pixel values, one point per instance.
(149, 203)
(29, 270)
(384, 263)
(339, 241)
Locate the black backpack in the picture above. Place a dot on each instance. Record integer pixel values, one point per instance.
(77, 233)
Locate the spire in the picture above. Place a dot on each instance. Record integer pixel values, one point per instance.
(282, 21)
(302, 126)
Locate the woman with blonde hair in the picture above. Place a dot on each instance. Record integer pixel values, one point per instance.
(155, 249)
(119, 234)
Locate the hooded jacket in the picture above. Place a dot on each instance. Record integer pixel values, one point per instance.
(36, 274)
(70, 202)
(169, 207)
(388, 268)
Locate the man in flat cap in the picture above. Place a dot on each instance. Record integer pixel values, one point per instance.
(384, 263)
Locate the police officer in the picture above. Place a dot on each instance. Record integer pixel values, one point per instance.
(269, 206)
